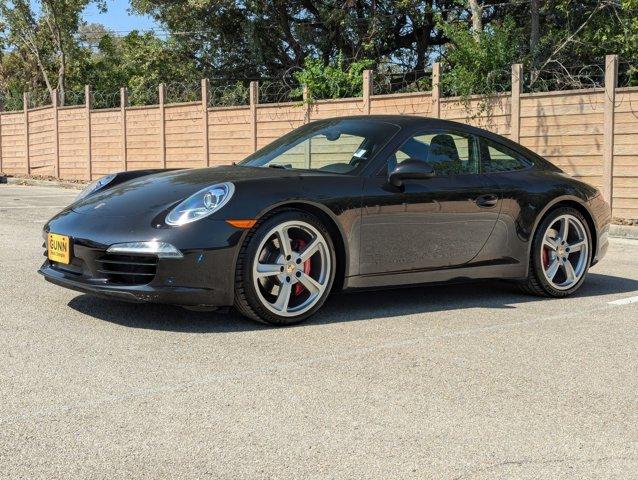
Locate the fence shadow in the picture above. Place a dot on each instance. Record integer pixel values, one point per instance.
(341, 308)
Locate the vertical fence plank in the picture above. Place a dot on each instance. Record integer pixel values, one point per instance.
(25, 107)
(123, 105)
(162, 97)
(611, 81)
(436, 90)
(254, 101)
(367, 91)
(55, 101)
(89, 153)
(515, 106)
(206, 147)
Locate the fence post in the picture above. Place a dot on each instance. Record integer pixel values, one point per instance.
(611, 81)
(367, 91)
(205, 86)
(254, 101)
(162, 98)
(436, 90)
(515, 102)
(55, 101)
(306, 103)
(87, 109)
(123, 105)
(25, 107)
(306, 119)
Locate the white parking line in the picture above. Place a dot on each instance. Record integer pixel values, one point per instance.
(624, 301)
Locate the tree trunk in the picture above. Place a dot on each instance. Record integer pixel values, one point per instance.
(62, 79)
(534, 31)
(477, 20)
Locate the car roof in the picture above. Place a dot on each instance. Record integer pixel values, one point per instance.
(403, 120)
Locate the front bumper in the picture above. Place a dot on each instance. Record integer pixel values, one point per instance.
(185, 296)
(203, 277)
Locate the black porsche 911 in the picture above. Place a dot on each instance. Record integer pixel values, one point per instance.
(339, 204)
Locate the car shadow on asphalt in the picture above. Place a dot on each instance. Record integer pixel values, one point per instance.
(347, 307)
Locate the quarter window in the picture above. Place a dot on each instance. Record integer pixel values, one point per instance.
(449, 153)
(498, 158)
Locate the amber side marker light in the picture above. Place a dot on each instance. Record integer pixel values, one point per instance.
(242, 223)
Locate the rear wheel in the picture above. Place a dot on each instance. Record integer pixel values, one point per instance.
(560, 256)
(285, 269)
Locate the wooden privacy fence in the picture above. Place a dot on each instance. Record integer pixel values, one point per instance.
(592, 134)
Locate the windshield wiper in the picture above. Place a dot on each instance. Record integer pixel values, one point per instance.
(278, 165)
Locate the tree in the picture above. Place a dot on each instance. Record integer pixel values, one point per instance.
(254, 38)
(44, 31)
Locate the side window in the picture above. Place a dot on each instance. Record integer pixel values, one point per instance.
(499, 158)
(449, 153)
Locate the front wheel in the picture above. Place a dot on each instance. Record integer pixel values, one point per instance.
(285, 269)
(560, 254)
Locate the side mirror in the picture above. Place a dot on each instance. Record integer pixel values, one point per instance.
(410, 169)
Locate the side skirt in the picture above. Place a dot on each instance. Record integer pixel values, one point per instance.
(508, 270)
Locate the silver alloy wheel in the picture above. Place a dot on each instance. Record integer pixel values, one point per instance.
(565, 252)
(292, 268)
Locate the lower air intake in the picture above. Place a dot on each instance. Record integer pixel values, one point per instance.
(127, 269)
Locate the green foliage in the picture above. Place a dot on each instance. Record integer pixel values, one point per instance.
(616, 32)
(333, 80)
(226, 95)
(480, 63)
(137, 61)
(328, 44)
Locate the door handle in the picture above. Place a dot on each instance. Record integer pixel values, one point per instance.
(489, 200)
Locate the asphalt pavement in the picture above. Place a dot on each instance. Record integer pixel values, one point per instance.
(473, 381)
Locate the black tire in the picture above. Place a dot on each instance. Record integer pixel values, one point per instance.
(536, 283)
(247, 301)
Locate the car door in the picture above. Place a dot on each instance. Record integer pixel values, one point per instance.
(434, 223)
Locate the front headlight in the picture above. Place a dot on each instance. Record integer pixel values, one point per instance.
(201, 204)
(96, 185)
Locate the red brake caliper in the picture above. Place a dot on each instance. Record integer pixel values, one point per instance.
(545, 257)
(300, 245)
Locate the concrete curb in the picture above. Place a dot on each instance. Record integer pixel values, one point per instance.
(41, 183)
(624, 231)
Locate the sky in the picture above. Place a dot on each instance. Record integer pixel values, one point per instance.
(118, 18)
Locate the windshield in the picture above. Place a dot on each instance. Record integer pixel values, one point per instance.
(337, 146)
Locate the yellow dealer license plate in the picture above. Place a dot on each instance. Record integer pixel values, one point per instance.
(59, 248)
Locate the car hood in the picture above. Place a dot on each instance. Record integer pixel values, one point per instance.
(154, 194)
